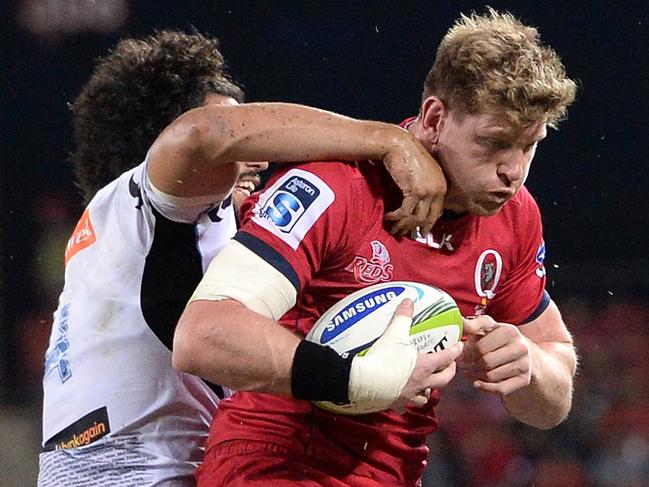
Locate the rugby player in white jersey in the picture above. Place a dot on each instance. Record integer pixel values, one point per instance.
(158, 128)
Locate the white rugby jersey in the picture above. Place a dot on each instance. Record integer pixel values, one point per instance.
(109, 385)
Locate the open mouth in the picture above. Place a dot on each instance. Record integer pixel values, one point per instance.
(247, 184)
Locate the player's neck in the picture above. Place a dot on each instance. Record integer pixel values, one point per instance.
(450, 215)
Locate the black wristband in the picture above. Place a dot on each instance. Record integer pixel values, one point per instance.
(320, 374)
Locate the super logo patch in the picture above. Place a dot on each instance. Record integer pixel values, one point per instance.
(291, 206)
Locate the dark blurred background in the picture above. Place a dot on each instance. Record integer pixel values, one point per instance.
(366, 59)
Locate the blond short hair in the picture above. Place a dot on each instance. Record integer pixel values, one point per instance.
(492, 63)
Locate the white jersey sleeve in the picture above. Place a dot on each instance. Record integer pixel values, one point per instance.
(175, 208)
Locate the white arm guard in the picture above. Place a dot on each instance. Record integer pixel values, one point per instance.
(238, 273)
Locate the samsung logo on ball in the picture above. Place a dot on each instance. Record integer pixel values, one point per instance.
(357, 310)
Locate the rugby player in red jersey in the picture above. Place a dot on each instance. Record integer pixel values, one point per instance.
(158, 187)
(316, 234)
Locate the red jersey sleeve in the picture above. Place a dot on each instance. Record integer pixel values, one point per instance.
(299, 222)
(522, 296)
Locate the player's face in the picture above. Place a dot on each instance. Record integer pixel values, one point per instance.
(485, 159)
(248, 178)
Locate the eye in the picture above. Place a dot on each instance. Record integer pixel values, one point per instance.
(493, 144)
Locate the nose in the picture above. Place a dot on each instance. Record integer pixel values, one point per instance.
(512, 170)
(255, 167)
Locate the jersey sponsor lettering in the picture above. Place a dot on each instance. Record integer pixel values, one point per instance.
(291, 206)
(82, 237)
(444, 243)
(84, 431)
(116, 461)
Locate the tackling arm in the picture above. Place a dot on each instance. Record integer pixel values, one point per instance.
(195, 155)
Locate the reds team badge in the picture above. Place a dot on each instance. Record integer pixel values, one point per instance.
(374, 270)
(487, 275)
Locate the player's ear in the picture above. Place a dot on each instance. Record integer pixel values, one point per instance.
(433, 114)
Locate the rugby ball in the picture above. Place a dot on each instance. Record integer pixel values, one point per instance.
(354, 323)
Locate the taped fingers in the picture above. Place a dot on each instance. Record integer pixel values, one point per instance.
(381, 374)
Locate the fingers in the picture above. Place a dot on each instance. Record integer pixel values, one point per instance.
(407, 208)
(504, 337)
(498, 361)
(403, 224)
(442, 377)
(434, 362)
(520, 367)
(415, 213)
(478, 325)
(421, 212)
(432, 370)
(418, 401)
(502, 388)
(399, 407)
(434, 212)
(403, 218)
(405, 308)
(421, 399)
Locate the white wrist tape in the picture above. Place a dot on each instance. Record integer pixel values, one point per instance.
(378, 377)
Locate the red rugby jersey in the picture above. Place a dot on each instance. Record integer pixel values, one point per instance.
(321, 225)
